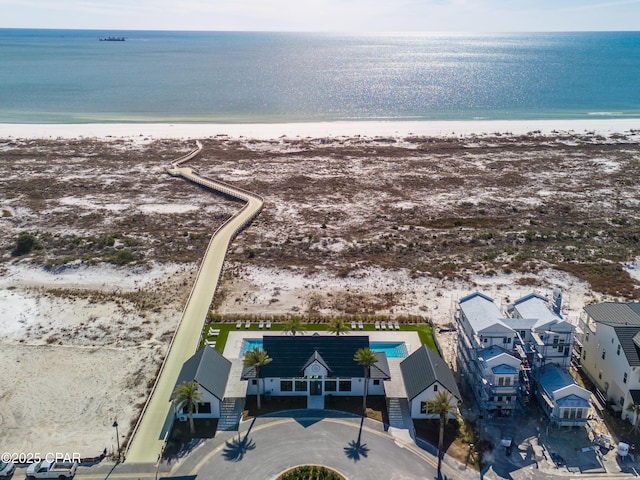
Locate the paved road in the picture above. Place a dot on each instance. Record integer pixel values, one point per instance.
(357, 448)
(155, 422)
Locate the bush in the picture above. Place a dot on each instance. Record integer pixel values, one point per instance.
(122, 257)
(24, 244)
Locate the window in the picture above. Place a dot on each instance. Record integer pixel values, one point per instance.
(624, 378)
(485, 340)
(584, 355)
(435, 387)
(507, 380)
(423, 408)
(344, 385)
(499, 398)
(500, 381)
(508, 399)
(254, 382)
(204, 407)
(604, 354)
(523, 333)
(330, 385)
(586, 337)
(579, 413)
(565, 413)
(618, 350)
(600, 375)
(301, 385)
(376, 382)
(504, 340)
(555, 340)
(286, 385)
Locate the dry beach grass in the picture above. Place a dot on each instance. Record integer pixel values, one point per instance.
(357, 225)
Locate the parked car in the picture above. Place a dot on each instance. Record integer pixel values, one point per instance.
(49, 469)
(6, 469)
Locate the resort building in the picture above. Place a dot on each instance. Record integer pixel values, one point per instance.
(610, 353)
(425, 375)
(500, 355)
(316, 366)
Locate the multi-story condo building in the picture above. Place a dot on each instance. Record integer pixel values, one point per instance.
(544, 336)
(501, 356)
(610, 353)
(487, 367)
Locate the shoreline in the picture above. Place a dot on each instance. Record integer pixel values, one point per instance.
(447, 128)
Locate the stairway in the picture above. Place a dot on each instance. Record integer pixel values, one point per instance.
(399, 414)
(230, 414)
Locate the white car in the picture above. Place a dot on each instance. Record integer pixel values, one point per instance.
(6, 469)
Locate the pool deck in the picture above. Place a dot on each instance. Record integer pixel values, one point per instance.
(234, 341)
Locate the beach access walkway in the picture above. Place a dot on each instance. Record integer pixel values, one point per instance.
(148, 436)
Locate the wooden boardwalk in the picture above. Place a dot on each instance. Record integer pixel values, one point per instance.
(157, 417)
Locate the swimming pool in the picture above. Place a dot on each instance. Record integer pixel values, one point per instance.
(392, 349)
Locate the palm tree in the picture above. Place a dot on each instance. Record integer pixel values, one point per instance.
(257, 358)
(443, 405)
(187, 395)
(293, 325)
(339, 326)
(366, 358)
(635, 409)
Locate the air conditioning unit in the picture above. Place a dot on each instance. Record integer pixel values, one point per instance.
(183, 417)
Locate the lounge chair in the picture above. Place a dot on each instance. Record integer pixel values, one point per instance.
(397, 325)
(247, 324)
(360, 325)
(383, 325)
(239, 324)
(261, 324)
(353, 325)
(211, 344)
(268, 324)
(214, 332)
(377, 325)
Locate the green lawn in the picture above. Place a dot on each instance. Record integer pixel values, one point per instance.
(425, 331)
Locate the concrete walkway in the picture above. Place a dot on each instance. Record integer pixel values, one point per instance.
(156, 419)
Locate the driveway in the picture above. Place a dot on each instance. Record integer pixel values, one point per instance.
(266, 446)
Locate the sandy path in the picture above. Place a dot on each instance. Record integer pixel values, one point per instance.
(156, 419)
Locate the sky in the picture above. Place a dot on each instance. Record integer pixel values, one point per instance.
(325, 15)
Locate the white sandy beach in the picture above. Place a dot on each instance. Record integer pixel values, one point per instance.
(104, 353)
(315, 129)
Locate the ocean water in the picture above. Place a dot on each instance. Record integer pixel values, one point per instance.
(68, 76)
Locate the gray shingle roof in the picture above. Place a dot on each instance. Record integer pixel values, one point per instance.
(422, 369)
(291, 354)
(628, 336)
(316, 357)
(614, 313)
(209, 368)
(380, 370)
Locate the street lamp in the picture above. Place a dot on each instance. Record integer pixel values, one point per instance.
(115, 425)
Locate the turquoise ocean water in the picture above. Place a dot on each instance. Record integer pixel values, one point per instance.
(69, 76)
